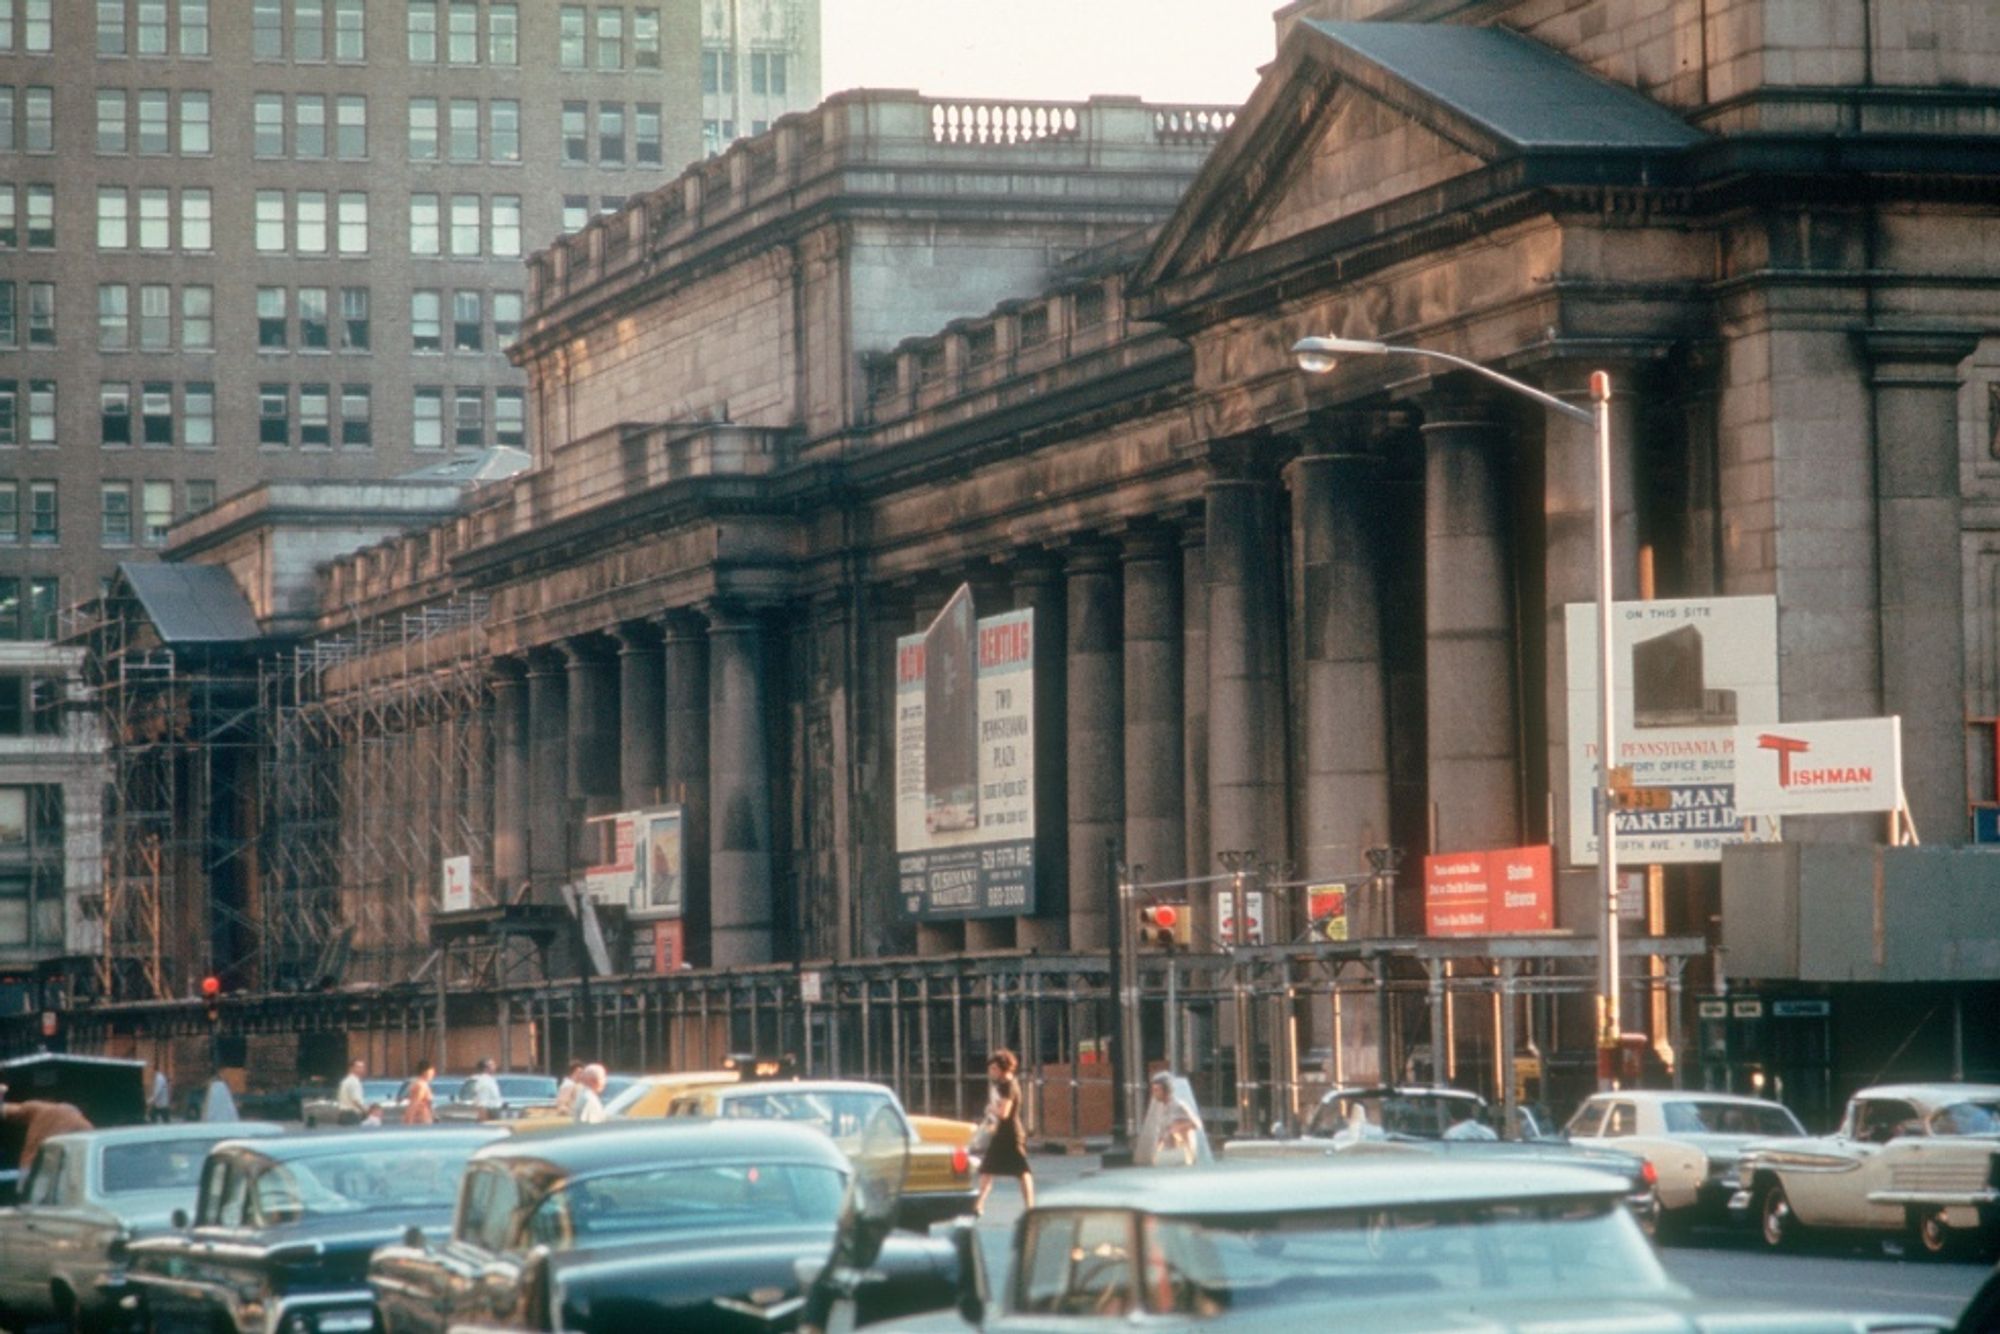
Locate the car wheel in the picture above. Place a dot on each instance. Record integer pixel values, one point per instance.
(69, 1314)
(1780, 1226)
(1933, 1236)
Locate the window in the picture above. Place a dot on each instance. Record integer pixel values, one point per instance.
(718, 71)
(510, 418)
(576, 133)
(506, 216)
(465, 224)
(200, 495)
(423, 129)
(194, 27)
(155, 139)
(42, 217)
(464, 146)
(424, 224)
(198, 318)
(41, 314)
(152, 35)
(43, 600)
(37, 26)
(110, 27)
(114, 414)
(427, 418)
(503, 34)
(611, 133)
(645, 39)
(267, 121)
(356, 431)
(309, 222)
(110, 119)
(116, 514)
(13, 804)
(506, 317)
(315, 430)
(40, 120)
(7, 113)
(354, 329)
(353, 223)
(10, 512)
(198, 415)
(570, 37)
(44, 519)
(113, 317)
(156, 414)
(575, 213)
(112, 219)
(267, 30)
(9, 330)
(314, 332)
(350, 135)
(273, 326)
(9, 401)
(156, 218)
(156, 317)
(767, 72)
(468, 418)
(309, 29)
(274, 414)
(157, 511)
(309, 126)
(610, 39)
(468, 322)
(195, 137)
(646, 134)
(426, 321)
(10, 232)
(350, 30)
(462, 33)
(197, 220)
(504, 129)
(423, 28)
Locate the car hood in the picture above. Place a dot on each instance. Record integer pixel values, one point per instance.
(330, 1249)
(1508, 1150)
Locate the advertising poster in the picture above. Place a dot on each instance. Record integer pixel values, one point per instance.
(458, 884)
(658, 888)
(610, 876)
(1326, 909)
(965, 765)
(1685, 675)
(1830, 768)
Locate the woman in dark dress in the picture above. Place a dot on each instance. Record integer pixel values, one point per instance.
(1006, 1154)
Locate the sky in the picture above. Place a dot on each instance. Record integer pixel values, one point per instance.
(1161, 50)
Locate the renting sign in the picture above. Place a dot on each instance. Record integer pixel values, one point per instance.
(1820, 768)
(1497, 892)
(965, 765)
(1686, 676)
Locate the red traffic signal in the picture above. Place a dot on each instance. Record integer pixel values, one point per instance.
(1164, 925)
(211, 987)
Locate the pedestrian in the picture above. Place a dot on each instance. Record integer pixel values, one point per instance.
(373, 1116)
(160, 1098)
(350, 1101)
(1171, 1132)
(566, 1091)
(1006, 1150)
(421, 1107)
(37, 1121)
(589, 1099)
(486, 1090)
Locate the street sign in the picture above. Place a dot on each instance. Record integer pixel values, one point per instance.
(1642, 799)
(1621, 777)
(809, 987)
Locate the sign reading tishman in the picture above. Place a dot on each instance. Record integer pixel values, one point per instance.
(1820, 768)
(965, 764)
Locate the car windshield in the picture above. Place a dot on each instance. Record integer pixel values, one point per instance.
(1729, 1118)
(412, 1177)
(160, 1165)
(706, 1197)
(840, 1114)
(1419, 1115)
(527, 1088)
(1082, 1262)
(1972, 1117)
(381, 1090)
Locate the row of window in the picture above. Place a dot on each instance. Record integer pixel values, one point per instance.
(461, 44)
(152, 227)
(302, 416)
(35, 506)
(143, 121)
(458, 120)
(576, 210)
(27, 119)
(500, 236)
(469, 311)
(610, 142)
(155, 427)
(41, 514)
(34, 617)
(305, 20)
(37, 424)
(768, 72)
(27, 26)
(309, 138)
(30, 705)
(140, 27)
(35, 203)
(40, 313)
(316, 326)
(597, 40)
(152, 319)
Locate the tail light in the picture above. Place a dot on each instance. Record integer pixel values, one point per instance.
(961, 1161)
(1649, 1173)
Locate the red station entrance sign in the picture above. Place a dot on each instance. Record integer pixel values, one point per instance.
(1500, 891)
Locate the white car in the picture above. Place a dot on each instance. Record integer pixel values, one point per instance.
(1922, 1160)
(1691, 1138)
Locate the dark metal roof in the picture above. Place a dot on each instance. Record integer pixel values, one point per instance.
(582, 1150)
(191, 604)
(1516, 88)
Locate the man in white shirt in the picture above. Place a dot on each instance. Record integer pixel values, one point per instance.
(589, 1103)
(350, 1104)
(160, 1099)
(486, 1090)
(567, 1090)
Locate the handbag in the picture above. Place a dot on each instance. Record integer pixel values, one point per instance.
(982, 1139)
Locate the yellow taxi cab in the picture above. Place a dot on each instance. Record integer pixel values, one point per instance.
(645, 1096)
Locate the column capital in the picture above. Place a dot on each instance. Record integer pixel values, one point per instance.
(585, 649)
(681, 625)
(1254, 457)
(507, 672)
(1359, 434)
(1033, 569)
(1090, 555)
(636, 637)
(732, 616)
(1151, 542)
(545, 660)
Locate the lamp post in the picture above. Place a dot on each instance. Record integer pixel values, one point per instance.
(1317, 356)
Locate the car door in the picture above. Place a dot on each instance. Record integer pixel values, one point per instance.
(425, 1290)
(1902, 1142)
(70, 1230)
(26, 1289)
(1832, 1190)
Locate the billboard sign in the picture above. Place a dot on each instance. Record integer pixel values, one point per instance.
(1326, 910)
(457, 894)
(1501, 891)
(1833, 768)
(1225, 917)
(1686, 674)
(659, 884)
(965, 765)
(1457, 894)
(610, 876)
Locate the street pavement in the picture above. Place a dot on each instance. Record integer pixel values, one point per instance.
(1728, 1266)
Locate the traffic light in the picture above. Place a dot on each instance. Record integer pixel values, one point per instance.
(1165, 925)
(211, 994)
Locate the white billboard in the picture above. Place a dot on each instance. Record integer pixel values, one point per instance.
(1831, 768)
(457, 884)
(1686, 675)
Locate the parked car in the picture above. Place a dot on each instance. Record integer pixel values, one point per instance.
(941, 1182)
(1920, 1160)
(283, 1228)
(1691, 1138)
(384, 1093)
(651, 1095)
(1418, 1119)
(89, 1194)
(518, 1094)
(637, 1226)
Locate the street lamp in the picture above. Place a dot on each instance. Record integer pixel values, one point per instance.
(1316, 356)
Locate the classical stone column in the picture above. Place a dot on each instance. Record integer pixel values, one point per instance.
(510, 778)
(548, 773)
(641, 726)
(882, 928)
(1037, 587)
(1336, 587)
(1246, 705)
(739, 784)
(1472, 721)
(1194, 708)
(593, 724)
(1095, 683)
(1155, 726)
(684, 761)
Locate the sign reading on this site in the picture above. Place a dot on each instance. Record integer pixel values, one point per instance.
(965, 764)
(1496, 892)
(1820, 768)
(1685, 676)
